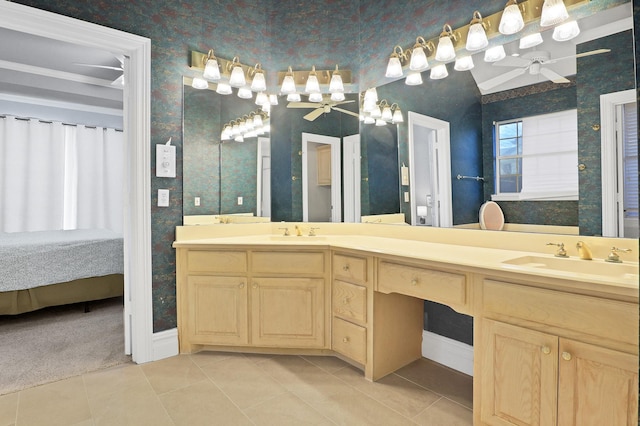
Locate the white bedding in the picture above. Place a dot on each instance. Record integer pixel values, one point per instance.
(33, 259)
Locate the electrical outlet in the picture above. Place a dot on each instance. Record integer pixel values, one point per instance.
(196, 201)
(406, 197)
(239, 201)
(163, 198)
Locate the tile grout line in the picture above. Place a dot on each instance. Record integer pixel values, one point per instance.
(156, 394)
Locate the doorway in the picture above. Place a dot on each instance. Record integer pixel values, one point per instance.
(351, 167)
(321, 178)
(429, 171)
(263, 174)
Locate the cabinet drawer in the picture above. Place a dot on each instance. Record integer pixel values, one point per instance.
(595, 316)
(349, 301)
(428, 284)
(288, 262)
(350, 268)
(349, 340)
(216, 261)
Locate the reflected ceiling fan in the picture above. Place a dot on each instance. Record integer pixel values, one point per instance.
(534, 62)
(323, 107)
(118, 81)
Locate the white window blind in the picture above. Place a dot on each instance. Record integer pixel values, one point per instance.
(630, 160)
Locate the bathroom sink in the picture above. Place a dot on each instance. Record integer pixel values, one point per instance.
(294, 238)
(576, 266)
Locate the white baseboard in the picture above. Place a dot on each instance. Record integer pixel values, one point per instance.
(165, 344)
(449, 352)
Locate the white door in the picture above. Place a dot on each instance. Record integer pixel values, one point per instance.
(263, 190)
(320, 203)
(429, 171)
(351, 171)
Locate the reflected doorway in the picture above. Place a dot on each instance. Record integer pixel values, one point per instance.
(263, 174)
(321, 178)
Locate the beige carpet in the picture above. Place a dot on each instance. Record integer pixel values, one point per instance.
(60, 342)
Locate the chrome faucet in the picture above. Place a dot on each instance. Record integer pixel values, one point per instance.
(561, 252)
(614, 257)
(312, 232)
(583, 250)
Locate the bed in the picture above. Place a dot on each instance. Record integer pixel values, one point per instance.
(49, 268)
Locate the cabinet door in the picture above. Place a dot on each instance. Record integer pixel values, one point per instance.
(518, 381)
(288, 312)
(597, 386)
(324, 164)
(217, 311)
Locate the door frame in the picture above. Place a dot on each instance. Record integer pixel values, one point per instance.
(352, 174)
(442, 174)
(336, 177)
(262, 141)
(136, 119)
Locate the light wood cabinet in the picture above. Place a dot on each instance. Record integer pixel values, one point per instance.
(323, 154)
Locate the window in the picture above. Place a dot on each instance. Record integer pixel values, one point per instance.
(536, 157)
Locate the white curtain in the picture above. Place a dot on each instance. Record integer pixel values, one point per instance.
(54, 176)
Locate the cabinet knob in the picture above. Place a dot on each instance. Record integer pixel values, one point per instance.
(546, 350)
(345, 268)
(414, 281)
(345, 339)
(241, 285)
(255, 285)
(566, 356)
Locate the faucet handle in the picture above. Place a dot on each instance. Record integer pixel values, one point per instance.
(614, 257)
(312, 232)
(286, 231)
(561, 252)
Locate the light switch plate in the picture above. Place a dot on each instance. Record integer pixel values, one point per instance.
(240, 200)
(165, 160)
(163, 198)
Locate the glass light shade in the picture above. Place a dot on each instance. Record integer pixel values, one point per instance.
(249, 124)
(494, 54)
(223, 89)
(335, 85)
(199, 83)
(315, 97)
(394, 67)
(380, 123)
(237, 77)
(260, 131)
(445, 51)
(439, 72)
(386, 113)
(376, 113)
(476, 38)
(337, 97)
(553, 13)
(370, 99)
(245, 93)
(273, 99)
(243, 126)
(288, 85)
(239, 138)
(418, 59)
(251, 134)
(294, 97)
(413, 79)
(211, 70)
(258, 84)
(266, 107)
(397, 116)
(257, 121)
(225, 136)
(267, 128)
(262, 98)
(312, 85)
(464, 63)
(530, 40)
(566, 31)
(235, 130)
(369, 120)
(511, 21)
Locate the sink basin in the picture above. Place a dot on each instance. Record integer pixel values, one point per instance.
(576, 266)
(294, 238)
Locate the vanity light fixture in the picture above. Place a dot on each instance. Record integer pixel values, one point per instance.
(257, 121)
(530, 40)
(312, 86)
(368, 120)
(335, 85)
(566, 31)
(494, 54)
(315, 97)
(261, 98)
(258, 84)
(245, 93)
(237, 78)
(211, 68)
(338, 97)
(477, 37)
(446, 50)
(266, 107)
(239, 138)
(418, 56)
(223, 89)
(439, 72)
(377, 112)
(294, 97)
(387, 115)
(394, 66)
(397, 114)
(370, 99)
(288, 83)
(464, 63)
(553, 13)
(273, 99)
(380, 123)
(199, 83)
(413, 79)
(511, 21)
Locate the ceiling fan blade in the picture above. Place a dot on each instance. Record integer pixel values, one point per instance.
(342, 102)
(106, 67)
(553, 76)
(579, 55)
(314, 114)
(346, 111)
(512, 61)
(303, 105)
(503, 78)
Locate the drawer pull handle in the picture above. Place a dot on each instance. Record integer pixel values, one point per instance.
(566, 356)
(241, 285)
(414, 281)
(345, 340)
(345, 268)
(546, 350)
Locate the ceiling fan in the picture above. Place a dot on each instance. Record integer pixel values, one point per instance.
(118, 81)
(323, 107)
(535, 63)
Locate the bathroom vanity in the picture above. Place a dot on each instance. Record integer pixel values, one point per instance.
(555, 340)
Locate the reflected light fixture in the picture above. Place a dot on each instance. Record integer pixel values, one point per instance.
(245, 93)
(273, 99)
(446, 51)
(566, 31)
(257, 121)
(530, 40)
(370, 99)
(237, 78)
(397, 114)
(387, 115)
(338, 97)
(418, 56)
(294, 97)
(464, 63)
(211, 69)
(494, 54)
(511, 21)
(223, 89)
(439, 72)
(376, 112)
(199, 83)
(413, 79)
(315, 97)
(477, 37)
(262, 98)
(258, 84)
(394, 66)
(553, 13)
(266, 107)
(335, 85)
(288, 83)
(312, 85)
(380, 122)
(369, 120)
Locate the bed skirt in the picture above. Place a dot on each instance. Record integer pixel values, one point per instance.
(81, 290)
